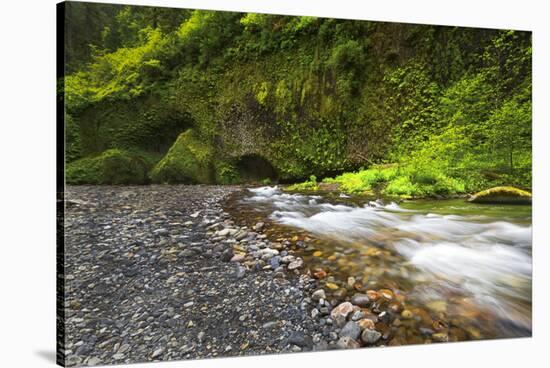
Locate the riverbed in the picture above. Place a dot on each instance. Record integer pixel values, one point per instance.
(451, 266)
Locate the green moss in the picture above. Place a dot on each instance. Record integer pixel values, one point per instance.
(113, 166)
(189, 160)
(502, 195)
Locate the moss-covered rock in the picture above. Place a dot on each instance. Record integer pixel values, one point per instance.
(189, 160)
(113, 166)
(502, 195)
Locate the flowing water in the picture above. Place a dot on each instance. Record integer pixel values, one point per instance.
(455, 264)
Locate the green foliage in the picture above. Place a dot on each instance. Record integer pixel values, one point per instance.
(226, 173)
(124, 74)
(73, 147)
(113, 166)
(450, 106)
(189, 160)
(310, 185)
(364, 180)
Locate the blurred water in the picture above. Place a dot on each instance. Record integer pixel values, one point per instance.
(472, 256)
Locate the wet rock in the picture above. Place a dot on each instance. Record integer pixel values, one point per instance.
(357, 315)
(361, 300)
(259, 226)
(386, 294)
(318, 294)
(340, 313)
(365, 324)
(347, 342)
(340, 294)
(319, 273)
(370, 336)
(395, 307)
(297, 263)
(351, 329)
(274, 262)
(440, 337)
(406, 314)
(373, 295)
(314, 313)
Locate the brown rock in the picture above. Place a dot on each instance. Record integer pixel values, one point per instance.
(373, 295)
(342, 310)
(366, 323)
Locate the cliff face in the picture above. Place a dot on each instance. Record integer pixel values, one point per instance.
(274, 100)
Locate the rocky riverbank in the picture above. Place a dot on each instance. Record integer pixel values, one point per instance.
(164, 273)
(145, 282)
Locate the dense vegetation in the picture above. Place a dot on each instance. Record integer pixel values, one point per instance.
(175, 95)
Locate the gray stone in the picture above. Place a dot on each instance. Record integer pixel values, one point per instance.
(297, 263)
(227, 255)
(351, 329)
(370, 336)
(318, 295)
(300, 339)
(157, 353)
(361, 300)
(161, 232)
(259, 226)
(347, 342)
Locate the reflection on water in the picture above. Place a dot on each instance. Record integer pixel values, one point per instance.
(469, 264)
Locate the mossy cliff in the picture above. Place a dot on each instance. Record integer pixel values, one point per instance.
(222, 97)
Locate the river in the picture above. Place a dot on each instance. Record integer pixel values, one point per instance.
(450, 264)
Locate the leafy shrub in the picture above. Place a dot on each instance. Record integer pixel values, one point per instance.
(226, 173)
(311, 184)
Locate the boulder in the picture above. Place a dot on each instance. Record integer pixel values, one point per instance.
(502, 195)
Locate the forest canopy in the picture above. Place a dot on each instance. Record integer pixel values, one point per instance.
(178, 95)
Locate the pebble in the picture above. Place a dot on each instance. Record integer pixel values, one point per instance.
(370, 336)
(161, 232)
(342, 309)
(93, 361)
(365, 324)
(351, 329)
(300, 339)
(237, 258)
(361, 300)
(318, 294)
(347, 342)
(295, 264)
(223, 232)
(440, 337)
(157, 353)
(259, 226)
(227, 255)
